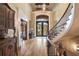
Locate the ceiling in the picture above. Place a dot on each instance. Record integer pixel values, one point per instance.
(36, 6)
(39, 6)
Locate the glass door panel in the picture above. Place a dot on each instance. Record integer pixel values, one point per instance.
(45, 28)
(39, 29)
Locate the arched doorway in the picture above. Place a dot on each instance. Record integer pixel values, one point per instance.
(42, 25)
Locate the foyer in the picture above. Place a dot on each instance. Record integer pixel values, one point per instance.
(39, 29)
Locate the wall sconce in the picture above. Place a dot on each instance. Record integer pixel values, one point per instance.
(77, 49)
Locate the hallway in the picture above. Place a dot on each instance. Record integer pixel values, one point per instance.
(34, 47)
(39, 29)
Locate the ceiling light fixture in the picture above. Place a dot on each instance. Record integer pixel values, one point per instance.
(44, 7)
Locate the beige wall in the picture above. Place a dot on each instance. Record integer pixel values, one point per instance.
(74, 30)
(36, 13)
(24, 13)
(59, 10)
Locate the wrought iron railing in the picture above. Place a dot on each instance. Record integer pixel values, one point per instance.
(61, 24)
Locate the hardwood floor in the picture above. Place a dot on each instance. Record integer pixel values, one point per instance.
(34, 47)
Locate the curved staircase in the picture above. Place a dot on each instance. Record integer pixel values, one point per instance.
(60, 29)
(63, 25)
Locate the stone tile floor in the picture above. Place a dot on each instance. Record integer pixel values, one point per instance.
(34, 47)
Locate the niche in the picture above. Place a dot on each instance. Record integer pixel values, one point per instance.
(23, 29)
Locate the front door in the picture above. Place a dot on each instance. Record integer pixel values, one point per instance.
(41, 28)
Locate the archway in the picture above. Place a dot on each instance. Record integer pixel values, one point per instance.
(42, 25)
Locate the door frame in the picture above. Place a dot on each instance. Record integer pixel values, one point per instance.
(42, 28)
